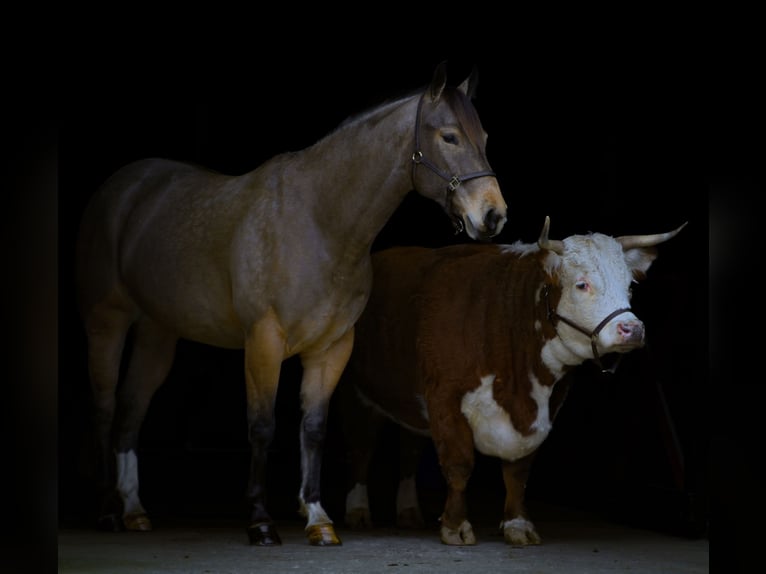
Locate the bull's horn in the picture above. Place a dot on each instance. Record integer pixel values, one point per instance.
(549, 244)
(633, 241)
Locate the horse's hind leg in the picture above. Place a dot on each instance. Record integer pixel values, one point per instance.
(151, 359)
(408, 513)
(106, 327)
(321, 373)
(264, 353)
(361, 425)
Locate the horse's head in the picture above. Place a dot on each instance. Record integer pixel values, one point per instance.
(450, 164)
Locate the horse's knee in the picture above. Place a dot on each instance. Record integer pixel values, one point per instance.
(313, 429)
(261, 431)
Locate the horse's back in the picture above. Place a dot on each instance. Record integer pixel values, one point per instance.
(153, 225)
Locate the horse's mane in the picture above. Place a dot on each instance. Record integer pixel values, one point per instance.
(464, 110)
(381, 103)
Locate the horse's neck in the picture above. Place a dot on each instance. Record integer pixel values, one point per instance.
(365, 173)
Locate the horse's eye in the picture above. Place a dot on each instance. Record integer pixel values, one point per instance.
(450, 138)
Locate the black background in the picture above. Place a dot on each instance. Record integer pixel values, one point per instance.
(619, 145)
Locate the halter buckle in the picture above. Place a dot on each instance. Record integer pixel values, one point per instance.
(454, 183)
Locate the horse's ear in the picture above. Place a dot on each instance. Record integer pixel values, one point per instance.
(468, 87)
(438, 81)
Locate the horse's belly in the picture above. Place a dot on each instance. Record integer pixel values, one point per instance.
(197, 314)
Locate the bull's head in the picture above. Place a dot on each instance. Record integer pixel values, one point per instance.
(594, 273)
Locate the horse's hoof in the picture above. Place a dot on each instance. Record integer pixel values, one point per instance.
(110, 523)
(263, 534)
(137, 522)
(322, 535)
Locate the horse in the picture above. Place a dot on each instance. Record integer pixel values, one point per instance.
(275, 261)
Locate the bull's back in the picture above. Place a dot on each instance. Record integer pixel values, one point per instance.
(385, 364)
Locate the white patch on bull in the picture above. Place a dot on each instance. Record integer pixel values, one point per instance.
(357, 497)
(127, 482)
(519, 248)
(556, 356)
(406, 495)
(493, 430)
(598, 262)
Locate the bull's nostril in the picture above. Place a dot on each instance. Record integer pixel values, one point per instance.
(630, 331)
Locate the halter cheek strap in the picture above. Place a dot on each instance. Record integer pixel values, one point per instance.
(453, 181)
(553, 316)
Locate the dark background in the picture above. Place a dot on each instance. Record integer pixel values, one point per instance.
(620, 146)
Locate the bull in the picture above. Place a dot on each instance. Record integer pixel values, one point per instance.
(465, 344)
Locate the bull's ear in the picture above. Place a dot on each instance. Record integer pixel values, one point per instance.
(468, 86)
(639, 260)
(438, 81)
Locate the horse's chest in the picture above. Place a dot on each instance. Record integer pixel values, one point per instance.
(494, 432)
(332, 311)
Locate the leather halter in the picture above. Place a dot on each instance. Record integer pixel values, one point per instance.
(453, 181)
(593, 335)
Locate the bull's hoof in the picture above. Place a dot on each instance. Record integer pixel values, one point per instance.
(322, 535)
(359, 519)
(137, 522)
(110, 523)
(461, 536)
(263, 534)
(520, 532)
(410, 519)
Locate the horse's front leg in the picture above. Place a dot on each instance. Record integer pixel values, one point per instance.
(321, 372)
(264, 353)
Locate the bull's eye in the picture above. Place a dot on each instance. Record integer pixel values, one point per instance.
(582, 285)
(450, 139)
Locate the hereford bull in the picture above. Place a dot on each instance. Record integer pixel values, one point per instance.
(466, 343)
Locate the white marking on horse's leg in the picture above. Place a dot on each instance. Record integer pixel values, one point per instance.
(315, 514)
(406, 495)
(357, 497)
(127, 482)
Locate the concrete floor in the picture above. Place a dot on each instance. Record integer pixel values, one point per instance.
(572, 543)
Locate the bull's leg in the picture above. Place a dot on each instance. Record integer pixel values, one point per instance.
(321, 373)
(264, 353)
(517, 528)
(151, 360)
(106, 327)
(453, 439)
(411, 445)
(361, 428)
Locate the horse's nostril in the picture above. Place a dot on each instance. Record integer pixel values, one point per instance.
(491, 220)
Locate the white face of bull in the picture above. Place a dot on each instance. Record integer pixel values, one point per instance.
(595, 277)
(594, 273)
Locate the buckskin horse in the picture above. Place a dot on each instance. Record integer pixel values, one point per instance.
(275, 261)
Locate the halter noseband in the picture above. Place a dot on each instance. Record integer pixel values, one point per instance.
(552, 316)
(453, 181)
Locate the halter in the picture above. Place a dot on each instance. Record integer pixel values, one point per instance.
(552, 316)
(453, 181)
